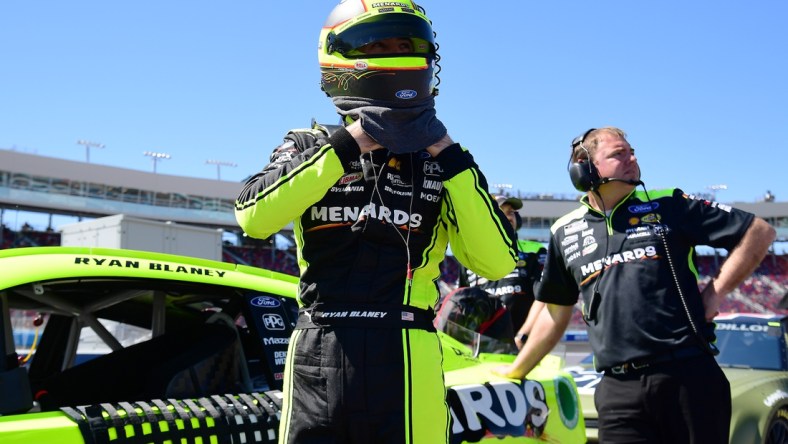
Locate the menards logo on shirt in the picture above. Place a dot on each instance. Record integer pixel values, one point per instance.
(624, 256)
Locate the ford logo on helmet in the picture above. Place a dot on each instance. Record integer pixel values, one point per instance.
(265, 301)
(406, 94)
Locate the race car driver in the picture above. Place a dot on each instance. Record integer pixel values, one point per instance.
(374, 204)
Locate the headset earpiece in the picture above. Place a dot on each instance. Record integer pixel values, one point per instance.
(518, 221)
(583, 174)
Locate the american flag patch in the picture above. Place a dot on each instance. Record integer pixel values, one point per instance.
(407, 316)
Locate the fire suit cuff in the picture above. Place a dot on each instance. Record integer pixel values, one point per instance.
(453, 160)
(345, 146)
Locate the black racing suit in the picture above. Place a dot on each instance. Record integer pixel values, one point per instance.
(364, 364)
(661, 380)
(637, 311)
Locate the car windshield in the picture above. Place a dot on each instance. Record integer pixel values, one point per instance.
(477, 342)
(750, 345)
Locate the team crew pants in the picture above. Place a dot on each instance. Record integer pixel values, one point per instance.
(361, 386)
(682, 401)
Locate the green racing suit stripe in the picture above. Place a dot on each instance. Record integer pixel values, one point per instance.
(287, 388)
(282, 203)
(424, 388)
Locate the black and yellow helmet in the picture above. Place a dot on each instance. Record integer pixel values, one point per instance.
(347, 69)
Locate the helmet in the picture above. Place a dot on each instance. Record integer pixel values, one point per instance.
(347, 71)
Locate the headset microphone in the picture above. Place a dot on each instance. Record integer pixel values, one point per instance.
(605, 180)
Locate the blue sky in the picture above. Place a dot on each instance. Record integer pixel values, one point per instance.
(700, 87)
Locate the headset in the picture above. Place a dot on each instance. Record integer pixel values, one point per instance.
(584, 174)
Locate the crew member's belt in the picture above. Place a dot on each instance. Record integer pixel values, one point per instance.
(364, 316)
(640, 364)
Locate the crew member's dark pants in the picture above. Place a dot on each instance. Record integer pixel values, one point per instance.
(675, 402)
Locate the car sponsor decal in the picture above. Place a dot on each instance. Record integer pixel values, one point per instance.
(497, 408)
(733, 326)
(586, 379)
(94, 261)
(273, 321)
(265, 301)
(774, 398)
(276, 341)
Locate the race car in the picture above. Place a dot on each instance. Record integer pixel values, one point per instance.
(106, 345)
(753, 356)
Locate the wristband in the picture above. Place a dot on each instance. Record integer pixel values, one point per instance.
(522, 337)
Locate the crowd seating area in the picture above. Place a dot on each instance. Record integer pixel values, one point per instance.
(762, 292)
(264, 257)
(27, 237)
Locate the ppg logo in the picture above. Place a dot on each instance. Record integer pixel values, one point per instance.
(432, 168)
(406, 94)
(273, 322)
(265, 301)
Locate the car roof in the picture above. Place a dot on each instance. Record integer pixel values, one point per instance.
(752, 318)
(41, 264)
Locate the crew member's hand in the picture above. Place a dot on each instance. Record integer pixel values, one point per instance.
(507, 371)
(438, 146)
(364, 141)
(711, 301)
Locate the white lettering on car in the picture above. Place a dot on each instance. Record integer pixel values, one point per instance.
(501, 408)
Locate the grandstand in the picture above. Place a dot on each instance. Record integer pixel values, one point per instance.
(57, 187)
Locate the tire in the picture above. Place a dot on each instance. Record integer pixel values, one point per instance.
(777, 430)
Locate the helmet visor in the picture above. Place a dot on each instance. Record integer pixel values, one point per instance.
(352, 42)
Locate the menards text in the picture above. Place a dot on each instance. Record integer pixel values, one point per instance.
(157, 266)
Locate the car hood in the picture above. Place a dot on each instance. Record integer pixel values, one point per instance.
(743, 380)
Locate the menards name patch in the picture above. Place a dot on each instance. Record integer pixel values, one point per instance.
(150, 265)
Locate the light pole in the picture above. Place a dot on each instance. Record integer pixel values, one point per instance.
(219, 164)
(715, 188)
(503, 186)
(156, 157)
(88, 145)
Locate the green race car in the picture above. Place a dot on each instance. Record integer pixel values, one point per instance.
(103, 345)
(753, 356)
